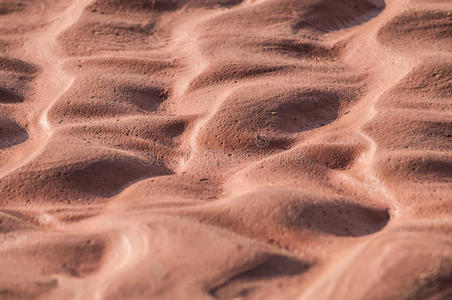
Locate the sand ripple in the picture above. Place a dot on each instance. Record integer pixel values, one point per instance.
(226, 149)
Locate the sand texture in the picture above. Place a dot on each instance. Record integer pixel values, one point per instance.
(226, 149)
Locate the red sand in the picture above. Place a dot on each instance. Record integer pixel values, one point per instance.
(226, 149)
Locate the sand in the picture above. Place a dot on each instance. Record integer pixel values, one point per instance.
(225, 149)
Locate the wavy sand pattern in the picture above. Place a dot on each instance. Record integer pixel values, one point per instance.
(225, 149)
